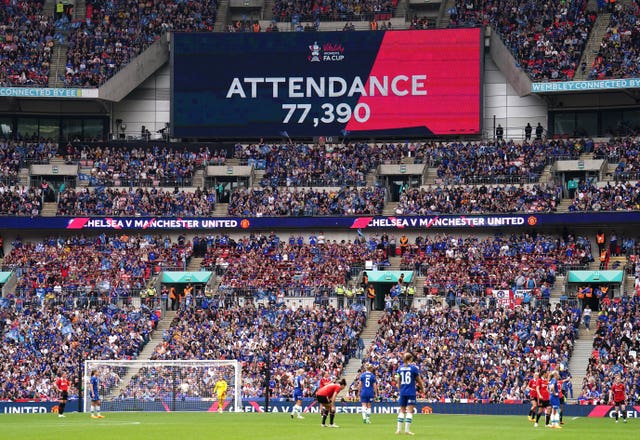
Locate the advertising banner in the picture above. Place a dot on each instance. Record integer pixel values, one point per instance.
(414, 83)
(311, 407)
(33, 92)
(498, 221)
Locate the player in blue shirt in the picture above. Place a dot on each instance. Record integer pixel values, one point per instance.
(409, 379)
(298, 386)
(368, 392)
(94, 395)
(554, 399)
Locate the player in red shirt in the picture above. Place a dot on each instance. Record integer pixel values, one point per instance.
(533, 395)
(327, 398)
(62, 385)
(542, 390)
(617, 394)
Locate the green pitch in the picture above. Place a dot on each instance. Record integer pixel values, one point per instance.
(252, 426)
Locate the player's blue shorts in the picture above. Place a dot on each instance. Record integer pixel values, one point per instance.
(297, 394)
(554, 402)
(406, 400)
(366, 398)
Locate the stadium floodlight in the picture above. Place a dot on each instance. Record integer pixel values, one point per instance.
(163, 385)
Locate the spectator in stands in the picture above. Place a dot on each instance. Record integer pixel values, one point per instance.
(547, 38)
(26, 44)
(38, 342)
(478, 199)
(154, 202)
(472, 354)
(619, 53)
(615, 347)
(308, 202)
(323, 344)
(115, 32)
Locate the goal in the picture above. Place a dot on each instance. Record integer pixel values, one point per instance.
(163, 385)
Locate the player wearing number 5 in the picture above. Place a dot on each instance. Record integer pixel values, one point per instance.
(368, 392)
(220, 389)
(409, 377)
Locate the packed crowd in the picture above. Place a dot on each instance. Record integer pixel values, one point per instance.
(615, 351)
(546, 37)
(518, 261)
(478, 199)
(502, 162)
(319, 165)
(116, 31)
(73, 270)
(20, 201)
(475, 354)
(616, 197)
(258, 202)
(26, 43)
(38, 344)
(457, 162)
(319, 340)
(136, 202)
(330, 10)
(301, 267)
(625, 152)
(619, 53)
(143, 166)
(18, 154)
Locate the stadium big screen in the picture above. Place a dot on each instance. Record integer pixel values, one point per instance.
(410, 83)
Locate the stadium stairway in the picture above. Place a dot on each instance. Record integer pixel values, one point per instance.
(557, 290)
(49, 209)
(257, 177)
(580, 360)
(372, 177)
(443, 18)
(350, 373)
(24, 177)
(148, 350)
(390, 208)
(431, 176)
(267, 10)
(546, 176)
(195, 264)
(221, 210)
(198, 179)
(629, 285)
(611, 169)
(221, 16)
(394, 262)
(58, 65)
(564, 204)
(401, 9)
(593, 45)
(80, 10)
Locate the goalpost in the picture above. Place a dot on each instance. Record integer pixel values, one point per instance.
(163, 385)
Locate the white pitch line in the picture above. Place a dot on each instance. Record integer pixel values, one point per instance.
(104, 423)
(575, 418)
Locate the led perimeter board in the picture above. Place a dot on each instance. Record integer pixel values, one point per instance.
(385, 83)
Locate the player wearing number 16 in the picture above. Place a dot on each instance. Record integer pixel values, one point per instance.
(409, 377)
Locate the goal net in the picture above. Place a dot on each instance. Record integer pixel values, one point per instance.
(161, 385)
